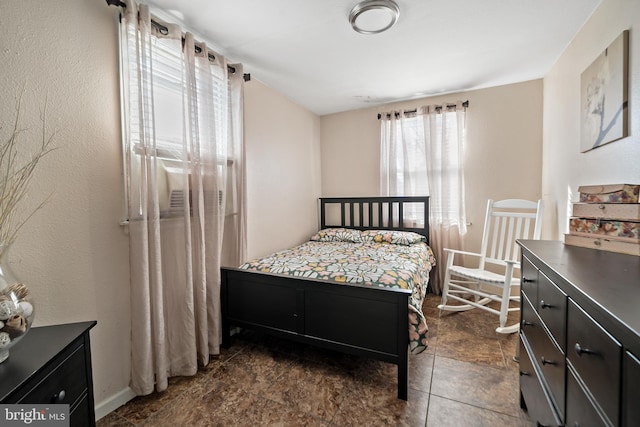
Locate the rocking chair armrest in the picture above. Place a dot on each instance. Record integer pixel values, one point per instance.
(515, 264)
(508, 265)
(456, 251)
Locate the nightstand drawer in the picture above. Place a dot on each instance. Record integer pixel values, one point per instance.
(552, 308)
(596, 357)
(81, 413)
(65, 383)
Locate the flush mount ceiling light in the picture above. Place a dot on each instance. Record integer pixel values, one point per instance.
(374, 16)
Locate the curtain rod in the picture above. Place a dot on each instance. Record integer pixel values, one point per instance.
(438, 108)
(164, 30)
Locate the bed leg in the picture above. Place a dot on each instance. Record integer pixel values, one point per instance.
(226, 335)
(403, 376)
(224, 323)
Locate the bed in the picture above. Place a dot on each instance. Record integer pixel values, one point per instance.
(302, 295)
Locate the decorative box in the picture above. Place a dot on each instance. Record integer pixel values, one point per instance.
(620, 211)
(607, 218)
(614, 193)
(603, 243)
(613, 229)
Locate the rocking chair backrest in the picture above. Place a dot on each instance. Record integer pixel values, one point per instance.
(506, 221)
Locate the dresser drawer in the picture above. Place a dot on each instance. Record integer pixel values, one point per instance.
(529, 280)
(552, 308)
(549, 358)
(552, 366)
(596, 357)
(65, 383)
(531, 326)
(580, 410)
(537, 401)
(631, 390)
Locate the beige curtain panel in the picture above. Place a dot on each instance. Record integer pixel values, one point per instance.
(421, 153)
(185, 191)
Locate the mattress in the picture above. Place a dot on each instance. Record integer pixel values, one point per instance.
(374, 260)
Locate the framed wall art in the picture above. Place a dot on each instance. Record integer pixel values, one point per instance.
(604, 115)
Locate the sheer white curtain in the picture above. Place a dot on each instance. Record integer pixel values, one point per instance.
(184, 172)
(421, 153)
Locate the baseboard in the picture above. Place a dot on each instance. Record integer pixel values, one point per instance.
(114, 402)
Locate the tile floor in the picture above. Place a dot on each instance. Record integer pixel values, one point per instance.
(465, 378)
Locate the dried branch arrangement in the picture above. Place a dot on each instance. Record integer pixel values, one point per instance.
(16, 175)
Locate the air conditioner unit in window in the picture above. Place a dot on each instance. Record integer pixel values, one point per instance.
(171, 189)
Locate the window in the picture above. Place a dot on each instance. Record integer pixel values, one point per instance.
(161, 148)
(422, 154)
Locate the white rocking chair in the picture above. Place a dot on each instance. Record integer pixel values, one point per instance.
(505, 221)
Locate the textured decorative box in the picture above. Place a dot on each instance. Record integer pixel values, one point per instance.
(603, 243)
(615, 193)
(613, 229)
(619, 211)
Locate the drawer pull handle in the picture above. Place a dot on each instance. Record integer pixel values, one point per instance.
(59, 396)
(525, 280)
(547, 361)
(525, 374)
(580, 350)
(526, 323)
(544, 304)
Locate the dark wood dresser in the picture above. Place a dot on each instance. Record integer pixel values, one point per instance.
(579, 335)
(52, 364)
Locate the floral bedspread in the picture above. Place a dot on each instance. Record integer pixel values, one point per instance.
(369, 263)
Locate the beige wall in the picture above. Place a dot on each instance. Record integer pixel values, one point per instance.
(564, 167)
(283, 170)
(503, 153)
(73, 254)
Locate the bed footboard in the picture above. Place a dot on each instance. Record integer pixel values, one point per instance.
(361, 320)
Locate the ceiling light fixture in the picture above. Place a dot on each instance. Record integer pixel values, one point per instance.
(374, 16)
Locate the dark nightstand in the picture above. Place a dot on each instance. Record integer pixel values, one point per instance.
(52, 364)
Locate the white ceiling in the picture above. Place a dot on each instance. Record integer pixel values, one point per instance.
(307, 50)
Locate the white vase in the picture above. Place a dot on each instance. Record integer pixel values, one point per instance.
(16, 307)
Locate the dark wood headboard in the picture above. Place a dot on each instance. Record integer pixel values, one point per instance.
(382, 213)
